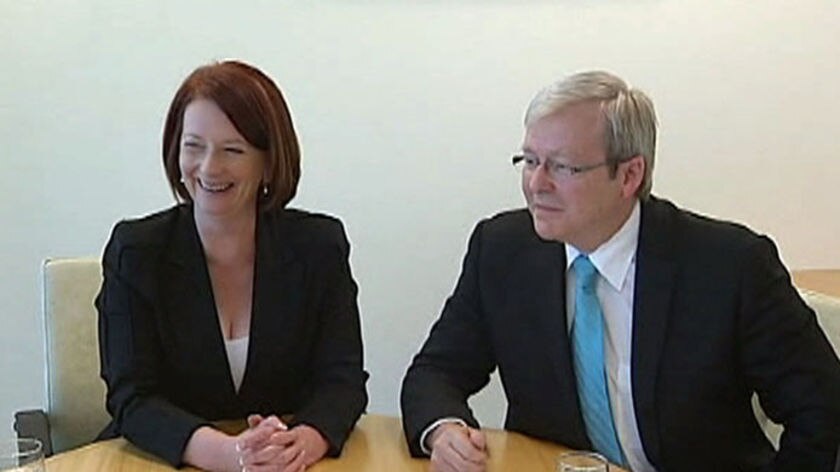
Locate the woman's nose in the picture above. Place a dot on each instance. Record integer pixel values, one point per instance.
(210, 160)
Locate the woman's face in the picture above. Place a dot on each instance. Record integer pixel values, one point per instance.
(220, 169)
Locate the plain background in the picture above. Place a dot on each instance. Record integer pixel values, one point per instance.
(407, 114)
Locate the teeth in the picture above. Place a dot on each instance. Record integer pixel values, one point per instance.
(213, 187)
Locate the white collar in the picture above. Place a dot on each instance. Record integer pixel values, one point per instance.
(613, 258)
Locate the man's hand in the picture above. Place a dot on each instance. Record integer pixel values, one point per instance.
(457, 448)
(282, 448)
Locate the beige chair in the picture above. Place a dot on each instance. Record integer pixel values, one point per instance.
(828, 316)
(75, 411)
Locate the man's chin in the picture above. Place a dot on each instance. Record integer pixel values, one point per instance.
(547, 231)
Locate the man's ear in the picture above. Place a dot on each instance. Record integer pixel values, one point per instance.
(632, 175)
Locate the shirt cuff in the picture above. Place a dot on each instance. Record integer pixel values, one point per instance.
(432, 427)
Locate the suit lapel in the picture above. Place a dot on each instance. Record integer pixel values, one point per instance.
(544, 276)
(550, 275)
(190, 295)
(655, 274)
(278, 296)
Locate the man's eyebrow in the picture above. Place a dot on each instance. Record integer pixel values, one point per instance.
(551, 155)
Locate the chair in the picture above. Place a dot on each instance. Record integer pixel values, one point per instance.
(827, 309)
(75, 411)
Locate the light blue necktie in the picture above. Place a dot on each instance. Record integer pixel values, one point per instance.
(588, 347)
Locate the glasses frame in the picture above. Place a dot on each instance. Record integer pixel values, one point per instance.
(559, 170)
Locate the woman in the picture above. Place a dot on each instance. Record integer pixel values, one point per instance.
(229, 304)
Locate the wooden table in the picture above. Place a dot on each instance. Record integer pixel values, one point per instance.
(826, 281)
(377, 444)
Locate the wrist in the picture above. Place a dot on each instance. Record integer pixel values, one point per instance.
(212, 450)
(425, 435)
(440, 430)
(318, 444)
(231, 455)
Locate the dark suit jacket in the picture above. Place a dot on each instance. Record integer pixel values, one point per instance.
(162, 351)
(715, 318)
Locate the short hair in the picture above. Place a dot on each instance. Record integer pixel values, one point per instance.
(630, 118)
(256, 107)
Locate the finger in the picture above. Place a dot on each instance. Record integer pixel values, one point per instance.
(442, 462)
(260, 468)
(463, 463)
(254, 420)
(444, 457)
(251, 437)
(289, 455)
(275, 422)
(261, 456)
(298, 464)
(478, 439)
(254, 438)
(283, 438)
(464, 447)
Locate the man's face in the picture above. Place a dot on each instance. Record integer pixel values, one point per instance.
(583, 209)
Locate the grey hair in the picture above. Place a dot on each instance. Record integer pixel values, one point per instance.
(629, 113)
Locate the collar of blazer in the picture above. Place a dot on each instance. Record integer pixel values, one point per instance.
(185, 246)
(655, 277)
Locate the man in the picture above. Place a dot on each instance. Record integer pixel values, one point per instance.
(619, 322)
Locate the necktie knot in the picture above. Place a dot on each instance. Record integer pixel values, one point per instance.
(585, 272)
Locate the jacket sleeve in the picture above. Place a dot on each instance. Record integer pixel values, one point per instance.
(455, 361)
(788, 359)
(131, 352)
(338, 380)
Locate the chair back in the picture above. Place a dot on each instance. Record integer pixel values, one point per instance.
(827, 309)
(75, 393)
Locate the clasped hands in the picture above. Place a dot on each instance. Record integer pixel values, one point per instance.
(269, 445)
(457, 448)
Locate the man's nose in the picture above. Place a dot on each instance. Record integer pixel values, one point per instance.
(540, 179)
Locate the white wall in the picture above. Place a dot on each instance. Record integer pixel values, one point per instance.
(408, 112)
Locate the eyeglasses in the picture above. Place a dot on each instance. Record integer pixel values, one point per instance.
(556, 170)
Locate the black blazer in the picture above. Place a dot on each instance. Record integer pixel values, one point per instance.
(162, 351)
(715, 318)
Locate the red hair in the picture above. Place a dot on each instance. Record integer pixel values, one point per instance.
(256, 107)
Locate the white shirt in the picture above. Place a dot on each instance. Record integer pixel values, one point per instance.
(237, 354)
(615, 261)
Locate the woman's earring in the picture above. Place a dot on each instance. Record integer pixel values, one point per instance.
(265, 190)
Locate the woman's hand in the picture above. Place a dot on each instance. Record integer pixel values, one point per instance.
(269, 445)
